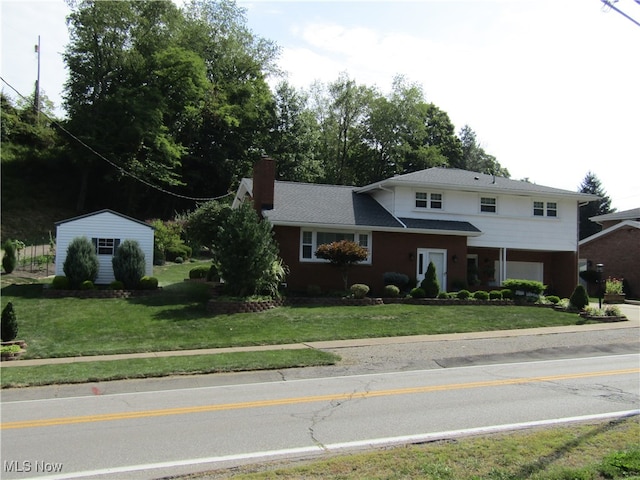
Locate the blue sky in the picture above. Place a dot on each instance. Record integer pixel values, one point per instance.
(549, 87)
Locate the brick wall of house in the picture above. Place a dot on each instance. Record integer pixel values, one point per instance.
(619, 252)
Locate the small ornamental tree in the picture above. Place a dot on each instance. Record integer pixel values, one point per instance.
(81, 263)
(343, 254)
(8, 324)
(129, 264)
(430, 283)
(9, 258)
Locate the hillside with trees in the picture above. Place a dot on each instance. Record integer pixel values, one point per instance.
(169, 107)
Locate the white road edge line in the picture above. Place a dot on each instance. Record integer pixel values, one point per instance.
(315, 449)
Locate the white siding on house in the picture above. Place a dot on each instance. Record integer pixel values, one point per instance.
(104, 224)
(512, 226)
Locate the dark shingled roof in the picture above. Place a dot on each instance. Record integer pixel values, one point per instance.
(340, 206)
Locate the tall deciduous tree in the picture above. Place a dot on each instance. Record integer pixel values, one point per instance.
(591, 184)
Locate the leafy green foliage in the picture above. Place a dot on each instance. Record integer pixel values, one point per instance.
(579, 298)
(9, 259)
(417, 293)
(592, 185)
(495, 295)
(463, 294)
(625, 464)
(430, 283)
(129, 263)
(245, 252)
(481, 295)
(148, 283)
(8, 323)
(81, 262)
(390, 291)
(167, 240)
(87, 285)
(60, 282)
(533, 287)
(343, 254)
(359, 290)
(199, 272)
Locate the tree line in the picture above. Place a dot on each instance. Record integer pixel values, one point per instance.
(163, 99)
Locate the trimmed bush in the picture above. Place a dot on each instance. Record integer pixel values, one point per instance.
(8, 324)
(417, 293)
(60, 282)
(199, 272)
(506, 294)
(174, 252)
(391, 291)
(579, 298)
(443, 295)
(553, 299)
(525, 286)
(9, 259)
(87, 285)
(148, 283)
(430, 283)
(481, 295)
(359, 290)
(212, 274)
(495, 295)
(81, 263)
(178, 260)
(463, 294)
(400, 280)
(129, 264)
(116, 285)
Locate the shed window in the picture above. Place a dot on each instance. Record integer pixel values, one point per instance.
(105, 246)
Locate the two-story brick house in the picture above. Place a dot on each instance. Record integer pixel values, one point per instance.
(474, 227)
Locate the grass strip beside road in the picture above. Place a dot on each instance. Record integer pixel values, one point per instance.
(83, 372)
(594, 451)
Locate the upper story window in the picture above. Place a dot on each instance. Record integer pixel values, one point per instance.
(488, 204)
(429, 200)
(541, 209)
(105, 246)
(311, 240)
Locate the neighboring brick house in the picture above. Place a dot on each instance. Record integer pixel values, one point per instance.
(474, 227)
(617, 247)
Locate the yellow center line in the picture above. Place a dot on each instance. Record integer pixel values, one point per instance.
(300, 400)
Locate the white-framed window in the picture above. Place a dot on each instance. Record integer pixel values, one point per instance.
(541, 209)
(488, 204)
(310, 240)
(105, 246)
(429, 200)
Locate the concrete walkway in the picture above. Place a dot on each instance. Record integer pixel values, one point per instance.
(631, 311)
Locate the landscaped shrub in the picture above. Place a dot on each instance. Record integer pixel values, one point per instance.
(148, 283)
(443, 295)
(400, 280)
(507, 294)
(343, 255)
(9, 259)
(430, 283)
(553, 299)
(579, 298)
(417, 293)
(495, 295)
(463, 294)
(391, 291)
(129, 264)
(87, 285)
(8, 324)
(524, 287)
(481, 295)
(116, 285)
(178, 260)
(81, 263)
(60, 282)
(173, 252)
(158, 257)
(359, 290)
(212, 274)
(199, 272)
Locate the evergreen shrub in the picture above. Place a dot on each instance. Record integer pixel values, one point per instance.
(129, 264)
(417, 293)
(400, 280)
(579, 298)
(81, 263)
(507, 294)
(463, 294)
(199, 272)
(8, 323)
(443, 296)
(148, 283)
(9, 259)
(116, 285)
(430, 283)
(495, 295)
(87, 285)
(60, 282)
(553, 299)
(481, 295)
(359, 290)
(391, 291)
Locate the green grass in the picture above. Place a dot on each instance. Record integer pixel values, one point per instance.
(82, 372)
(598, 451)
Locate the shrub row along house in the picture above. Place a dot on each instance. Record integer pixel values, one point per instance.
(477, 229)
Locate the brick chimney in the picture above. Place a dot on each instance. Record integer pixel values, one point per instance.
(264, 177)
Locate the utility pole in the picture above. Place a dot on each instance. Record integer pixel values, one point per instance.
(36, 99)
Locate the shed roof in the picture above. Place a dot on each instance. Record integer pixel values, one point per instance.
(106, 210)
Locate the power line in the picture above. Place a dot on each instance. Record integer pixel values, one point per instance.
(118, 167)
(611, 5)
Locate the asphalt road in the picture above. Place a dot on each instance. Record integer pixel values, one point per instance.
(150, 434)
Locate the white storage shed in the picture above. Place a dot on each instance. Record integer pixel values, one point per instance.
(106, 229)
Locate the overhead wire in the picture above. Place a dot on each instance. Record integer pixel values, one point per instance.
(113, 164)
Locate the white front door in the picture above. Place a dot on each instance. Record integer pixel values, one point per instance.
(439, 259)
